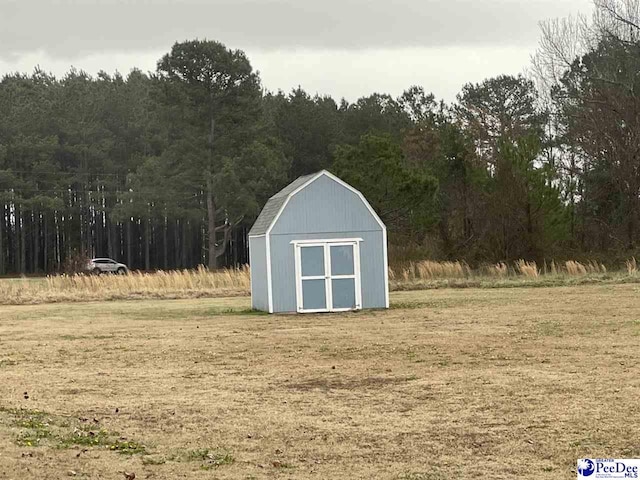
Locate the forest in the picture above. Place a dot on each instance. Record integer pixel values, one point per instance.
(168, 169)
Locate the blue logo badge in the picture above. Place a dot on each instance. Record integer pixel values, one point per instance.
(586, 467)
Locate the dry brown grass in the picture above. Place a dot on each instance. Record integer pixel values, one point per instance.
(497, 270)
(632, 266)
(202, 283)
(527, 269)
(576, 268)
(175, 284)
(448, 383)
(428, 270)
(416, 272)
(199, 279)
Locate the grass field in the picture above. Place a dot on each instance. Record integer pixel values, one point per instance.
(512, 383)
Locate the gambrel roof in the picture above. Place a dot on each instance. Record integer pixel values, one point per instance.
(271, 211)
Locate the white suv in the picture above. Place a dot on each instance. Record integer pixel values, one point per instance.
(106, 265)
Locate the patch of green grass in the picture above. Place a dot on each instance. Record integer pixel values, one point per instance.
(128, 447)
(84, 438)
(38, 428)
(516, 281)
(87, 337)
(433, 304)
(210, 458)
(234, 311)
(21, 413)
(73, 337)
(549, 328)
(100, 438)
(34, 425)
(153, 460)
(199, 312)
(283, 465)
(32, 438)
(415, 305)
(422, 476)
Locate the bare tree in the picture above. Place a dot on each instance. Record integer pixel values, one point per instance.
(586, 70)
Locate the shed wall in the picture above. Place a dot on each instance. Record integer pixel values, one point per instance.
(371, 268)
(258, 261)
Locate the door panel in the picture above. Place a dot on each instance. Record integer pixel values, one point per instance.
(313, 278)
(314, 295)
(342, 262)
(344, 293)
(312, 261)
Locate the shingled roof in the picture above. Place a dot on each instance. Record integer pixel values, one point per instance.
(275, 203)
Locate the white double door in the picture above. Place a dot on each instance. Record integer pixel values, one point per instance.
(328, 276)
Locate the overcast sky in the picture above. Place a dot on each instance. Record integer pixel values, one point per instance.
(345, 48)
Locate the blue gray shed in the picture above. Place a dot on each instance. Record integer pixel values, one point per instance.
(318, 246)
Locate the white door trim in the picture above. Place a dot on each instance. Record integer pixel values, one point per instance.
(344, 241)
(298, 245)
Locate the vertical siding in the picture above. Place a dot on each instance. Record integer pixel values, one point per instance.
(371, 268)
(325, 206)
(258, 263)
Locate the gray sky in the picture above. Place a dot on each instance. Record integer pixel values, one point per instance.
(345, 48)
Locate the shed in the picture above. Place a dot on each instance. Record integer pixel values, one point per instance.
(318, 246)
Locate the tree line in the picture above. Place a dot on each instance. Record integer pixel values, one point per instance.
(169, 169)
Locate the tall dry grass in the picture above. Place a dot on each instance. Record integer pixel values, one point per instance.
(174, 284)
(204, 283)
(179, 280)
(632, 266)
(576, 268)
(429, 270)
(527, 269)
(497, 270)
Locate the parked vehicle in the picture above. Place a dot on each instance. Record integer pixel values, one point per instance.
(106, 265)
